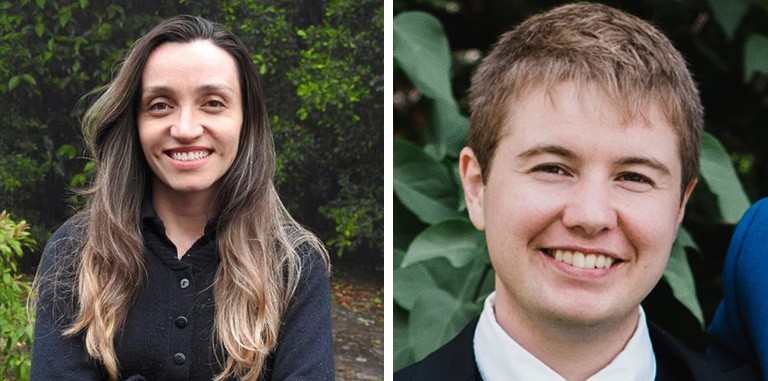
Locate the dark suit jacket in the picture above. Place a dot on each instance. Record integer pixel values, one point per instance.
(455, 361)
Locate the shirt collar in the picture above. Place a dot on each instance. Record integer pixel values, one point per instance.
(149, 219)
(204, 251)
(499, 357)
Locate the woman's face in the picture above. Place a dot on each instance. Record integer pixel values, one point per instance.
(190, 116)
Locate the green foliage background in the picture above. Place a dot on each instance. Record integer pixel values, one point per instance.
(322, 72)
(441, 268)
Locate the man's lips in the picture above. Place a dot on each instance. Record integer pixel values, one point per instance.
(582, 260)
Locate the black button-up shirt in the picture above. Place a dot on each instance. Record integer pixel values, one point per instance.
(152, 339)
(167, 334)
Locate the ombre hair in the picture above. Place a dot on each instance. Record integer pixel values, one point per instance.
(629, 59)
(258, 241)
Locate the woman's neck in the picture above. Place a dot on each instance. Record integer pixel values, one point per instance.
(184, 216)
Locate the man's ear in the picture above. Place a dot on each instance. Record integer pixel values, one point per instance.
(474, 187)
(686, 196)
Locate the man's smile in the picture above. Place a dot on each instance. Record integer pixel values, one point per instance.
(581, 260)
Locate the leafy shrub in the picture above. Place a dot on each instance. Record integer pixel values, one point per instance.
(324, 82)
(15, 325)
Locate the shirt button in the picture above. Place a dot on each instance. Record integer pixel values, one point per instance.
(179, 358)
(184, 283)
(181, 322)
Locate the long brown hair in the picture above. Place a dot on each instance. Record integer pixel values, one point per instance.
(257, 238)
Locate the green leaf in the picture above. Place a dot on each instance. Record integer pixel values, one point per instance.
(39, 29)
(16, 246)
(29, 79)
(408, 226)
(729, 14)
(411, 281)
(717, 171)
(455, 240)
(435, 318)
(403, 355)
(467, 284)
(449, 128)
(755, 56)
(66, 151)
(421, 49)
(423, 185)
(679, 276)
(40, 3)
(64, 18)
(13, 82)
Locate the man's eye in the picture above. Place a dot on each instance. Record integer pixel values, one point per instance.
(635, 177)
(550, 168)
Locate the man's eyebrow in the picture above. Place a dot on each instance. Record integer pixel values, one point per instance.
(646, 161)
(547, 149)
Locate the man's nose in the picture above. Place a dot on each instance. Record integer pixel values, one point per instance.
(591, 208)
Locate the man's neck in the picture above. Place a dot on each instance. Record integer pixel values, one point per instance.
(575, 351)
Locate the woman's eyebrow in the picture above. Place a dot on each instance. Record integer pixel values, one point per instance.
(156, 90)
(215, 87)
(167, 90)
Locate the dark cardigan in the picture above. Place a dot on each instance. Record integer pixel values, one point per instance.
(455, 361)
(167, 333)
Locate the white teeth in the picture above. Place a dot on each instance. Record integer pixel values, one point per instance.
(189, 156)
(581, 260)
(578, 260)
(589, 261)
(600, 262)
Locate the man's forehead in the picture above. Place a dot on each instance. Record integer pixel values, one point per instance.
(571, 97)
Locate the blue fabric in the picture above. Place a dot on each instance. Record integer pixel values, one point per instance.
(739, 330)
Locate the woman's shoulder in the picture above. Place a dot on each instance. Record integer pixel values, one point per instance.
(313, 257)
(71, 228)
(64, 242)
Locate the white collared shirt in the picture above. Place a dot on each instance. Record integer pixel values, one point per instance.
(499, 357)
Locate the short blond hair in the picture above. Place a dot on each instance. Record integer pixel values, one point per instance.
(625, 56)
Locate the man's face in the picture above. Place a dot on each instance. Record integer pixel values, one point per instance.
(580, 208)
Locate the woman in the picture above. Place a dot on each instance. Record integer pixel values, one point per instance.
(184, 264)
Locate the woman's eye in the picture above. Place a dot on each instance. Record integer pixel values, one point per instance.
(214, 103)
(159, 106)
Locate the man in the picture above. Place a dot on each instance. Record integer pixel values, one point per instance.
(583, 151)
